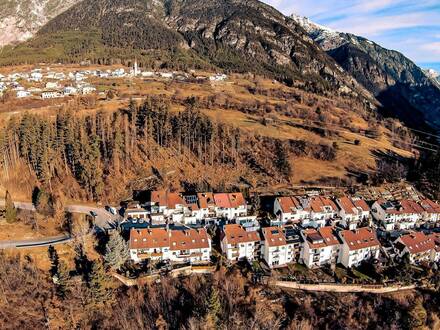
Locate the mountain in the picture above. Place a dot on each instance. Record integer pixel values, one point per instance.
(234, 35)
(21, 19)
(403, 88)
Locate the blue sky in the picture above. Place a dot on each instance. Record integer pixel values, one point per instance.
(409, 26)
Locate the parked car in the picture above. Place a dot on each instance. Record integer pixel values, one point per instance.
(93, 214)
(111, 210)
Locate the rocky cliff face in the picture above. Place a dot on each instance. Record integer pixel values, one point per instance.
(404, 89)
(21, 19)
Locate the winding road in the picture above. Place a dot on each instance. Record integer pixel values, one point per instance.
(103, 221)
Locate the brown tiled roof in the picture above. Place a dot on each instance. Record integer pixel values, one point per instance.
(149, 238)
(274, 236)
(358, 202)
(320, 238)
(152, 238)
(189, 239)
(417, 242)
(406, 207)
(231, 200)
(318, 203)
(430, 206)
(360, 238)
(289, 204)
(352, 205)
(168, 199)
(206, 200)
(236, 234)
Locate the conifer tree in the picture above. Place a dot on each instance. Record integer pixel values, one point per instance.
(116, 252)
(214, 308)
(11, 212)
(99, 284)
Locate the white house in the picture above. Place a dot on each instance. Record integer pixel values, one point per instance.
(418, 246)
(290, 209)
(36, 76)
(23, 94)
(85, 90)
(357, 246)
(275, 249)
(50, 95)
(171, 204)
(52, 85)
(218, 77)
(239, 244)
(70, 90)
(352, 211)
(207, 205)
(230, 205)
(322, 209)
(397, 215)
(432, 211)
(320, 247)
(175, 245)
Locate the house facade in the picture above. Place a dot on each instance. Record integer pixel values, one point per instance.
(276, 251)
(239, 244)
(230, 205)
(321, 247)
(352, 211)
(418, 246)
(357, 246)
(175, 245)
(397, 215)
(290, 209)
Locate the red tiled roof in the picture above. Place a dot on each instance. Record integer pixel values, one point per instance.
(320, 238)
(274, 236)
(430, 206)
(189, 239)
(318, 203)
(405, 206)
(168, 199)
(289, 204)
(417, 242)
(360, 238)
(206, 200)
(236, 234)
(231, 200)
(149, 238)
(152, 238)
(360, 203)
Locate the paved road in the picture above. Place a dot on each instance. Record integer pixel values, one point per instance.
(103, 220)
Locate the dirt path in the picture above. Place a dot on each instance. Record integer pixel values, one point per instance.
(341, 288)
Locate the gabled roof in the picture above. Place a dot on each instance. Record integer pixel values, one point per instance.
(229, 200)
(405, 206)
(189, 239)
(320, 238)
(154, 238)
(360, 238)
(165, 198)
(353, 205)
(289, 204)
(318, 204)
(274, 236)
(206, 200)
(149, 238)
(417, 242)
(430, 206)
(234, 234)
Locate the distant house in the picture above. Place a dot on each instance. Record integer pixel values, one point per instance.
(70, 90)
(418, 246)
(290, 209)
(166, 75)
(206, 205)
(85, 90)
(321, 247)
(278, 249)
(23, 94)
(230, 205)
(239, 244)
(357, 246)
(50, 95)
(397, 215)
(36, 76)
(147, 74)
(218, 77)
(176, 245)
(52, 85)
(352, 211)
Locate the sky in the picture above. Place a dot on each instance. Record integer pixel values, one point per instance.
(409, 26)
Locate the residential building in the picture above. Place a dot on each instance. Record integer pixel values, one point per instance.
(52, 85)
(357, 246)
(176, 245)
(352, 211)
(136, 213)
(432, 211)
(320, 247)
(86, 90)
(418, 246)
(277, 251)
(23, 94)
(50, 95)
(207, 205)
(397, 215)
(70, 90)
(290, 209)
(230, 205)
(322, 209)
(239, 244)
